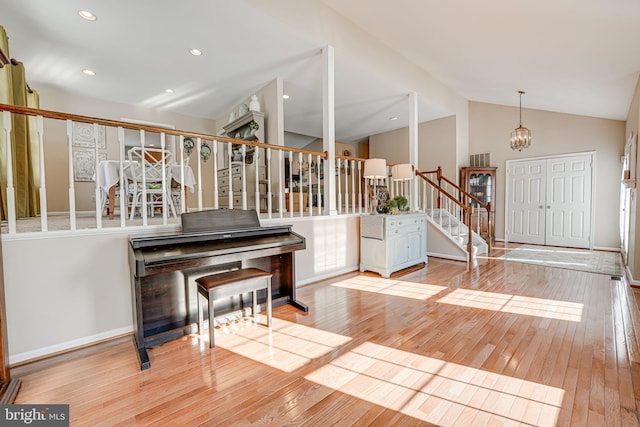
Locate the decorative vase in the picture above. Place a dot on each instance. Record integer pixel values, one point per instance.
(244, 109)
(254, 105)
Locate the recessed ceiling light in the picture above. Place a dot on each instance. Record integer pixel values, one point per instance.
(169, 90)
(195, 52)
(89, 72)
(393, 118)
(285, 96)
(87, 15)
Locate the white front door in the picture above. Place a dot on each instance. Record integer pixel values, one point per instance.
(526, 201)
(568, 207)
(550, 201)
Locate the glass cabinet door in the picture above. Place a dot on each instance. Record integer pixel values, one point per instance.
(480, 183)
(481, 187)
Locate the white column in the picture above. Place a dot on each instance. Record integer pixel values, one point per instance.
(413, 146)
(329, 128)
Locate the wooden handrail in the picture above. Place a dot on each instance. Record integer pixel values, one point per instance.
(460, 189)
(486, 206)
(467, 209)
(443, 191)
(134, 126)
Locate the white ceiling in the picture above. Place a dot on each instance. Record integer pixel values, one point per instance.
(573, 56)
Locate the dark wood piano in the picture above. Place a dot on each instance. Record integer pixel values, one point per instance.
(164, 269)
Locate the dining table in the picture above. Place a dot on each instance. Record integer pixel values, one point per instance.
(109, 177)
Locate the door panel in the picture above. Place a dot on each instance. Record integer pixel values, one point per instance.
(550, 201)
(569, 201)
(527, 194)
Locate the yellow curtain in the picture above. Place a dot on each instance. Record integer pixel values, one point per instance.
(14, 90)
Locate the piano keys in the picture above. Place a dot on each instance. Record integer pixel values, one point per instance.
(164, 269)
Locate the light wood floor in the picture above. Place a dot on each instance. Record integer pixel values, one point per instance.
(501, 344)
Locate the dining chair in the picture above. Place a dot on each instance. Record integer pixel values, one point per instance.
(146, 166)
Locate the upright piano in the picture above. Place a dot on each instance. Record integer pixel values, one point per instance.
(164, 269)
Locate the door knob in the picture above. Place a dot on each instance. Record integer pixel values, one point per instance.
(541, 206)
(548, 206)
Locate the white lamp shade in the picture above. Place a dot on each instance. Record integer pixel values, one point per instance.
(402, 172)
(375, 169)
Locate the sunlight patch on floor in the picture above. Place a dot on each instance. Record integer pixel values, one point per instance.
(399, 288)
(286, 346)
(436, 391)
(554, 309)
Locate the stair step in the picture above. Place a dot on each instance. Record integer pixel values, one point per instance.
(457, 231)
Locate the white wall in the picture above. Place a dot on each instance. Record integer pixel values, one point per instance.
(633, 125)
(269, 105)
(66, 291)
(326, 26)
(436, 146)
(490, 127)
(55, 140)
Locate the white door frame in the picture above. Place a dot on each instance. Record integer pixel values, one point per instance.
(554, 156)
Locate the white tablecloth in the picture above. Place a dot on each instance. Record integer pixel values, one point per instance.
(109, 174)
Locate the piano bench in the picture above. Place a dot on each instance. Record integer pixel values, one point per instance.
(230, 283)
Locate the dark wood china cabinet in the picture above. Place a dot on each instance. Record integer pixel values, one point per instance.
(480, 182)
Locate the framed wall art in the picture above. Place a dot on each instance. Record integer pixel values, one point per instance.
(84, 164)
(83, 136)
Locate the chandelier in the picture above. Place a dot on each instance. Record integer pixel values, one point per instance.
(520, 136)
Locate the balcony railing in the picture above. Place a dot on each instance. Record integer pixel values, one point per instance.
(277, 181)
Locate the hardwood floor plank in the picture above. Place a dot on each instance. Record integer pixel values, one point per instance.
(500, 343)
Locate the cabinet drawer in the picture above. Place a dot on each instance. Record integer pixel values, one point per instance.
(225, 171)
(399, 221)
(223, 202)
(407, 222)
(405, 225)
(236, 182)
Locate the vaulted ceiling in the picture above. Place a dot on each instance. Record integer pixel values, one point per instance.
(577, 57)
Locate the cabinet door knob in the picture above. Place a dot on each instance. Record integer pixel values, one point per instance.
(541, 206)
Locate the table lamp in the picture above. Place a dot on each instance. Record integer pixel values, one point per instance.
(375, 169)
(403, 172)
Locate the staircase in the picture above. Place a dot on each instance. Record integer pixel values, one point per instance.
(449, 211)
(457, 231)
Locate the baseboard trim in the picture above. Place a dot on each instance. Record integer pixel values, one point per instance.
(326, 276)
(33, 355)
(629, 276)
(447, 256)
(606, 249)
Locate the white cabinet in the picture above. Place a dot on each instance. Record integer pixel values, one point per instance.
(230, 186)
(389, 243)
(249, 127)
